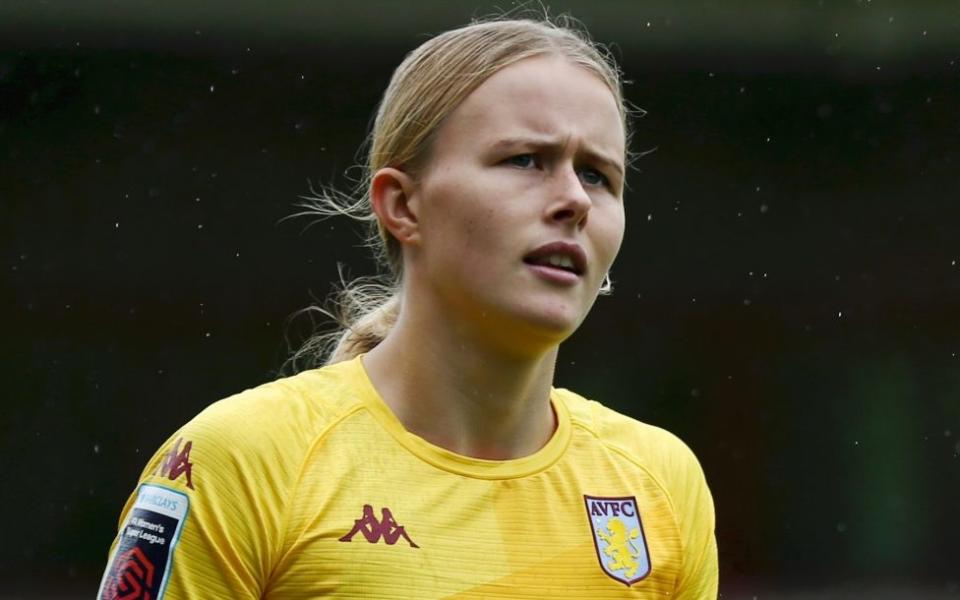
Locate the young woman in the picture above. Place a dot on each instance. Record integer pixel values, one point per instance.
(431, 457)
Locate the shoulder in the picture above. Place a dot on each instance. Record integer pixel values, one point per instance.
(662, 454)
(227, 478)
(640, 441)
(280, 419)
(308, 400)
(672, 464)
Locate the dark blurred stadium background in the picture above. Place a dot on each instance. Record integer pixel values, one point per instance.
(787, 299)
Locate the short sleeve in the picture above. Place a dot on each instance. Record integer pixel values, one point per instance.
(695, 513)
(206, 518)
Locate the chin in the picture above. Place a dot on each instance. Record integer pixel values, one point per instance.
(555, 323)
(528, 324)
(529, 335)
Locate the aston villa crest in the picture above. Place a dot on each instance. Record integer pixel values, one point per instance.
(618, 538)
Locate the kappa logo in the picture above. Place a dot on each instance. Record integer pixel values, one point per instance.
(373, 530)
(176, 462)
(618, 538)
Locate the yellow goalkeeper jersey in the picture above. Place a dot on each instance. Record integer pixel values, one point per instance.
(309, 487)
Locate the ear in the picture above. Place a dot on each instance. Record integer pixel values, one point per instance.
(393, 201)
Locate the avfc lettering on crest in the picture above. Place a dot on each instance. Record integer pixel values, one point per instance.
(618, 538)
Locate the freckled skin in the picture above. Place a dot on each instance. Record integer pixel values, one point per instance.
(484, 205)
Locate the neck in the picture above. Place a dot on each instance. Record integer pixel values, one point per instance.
(461, 394)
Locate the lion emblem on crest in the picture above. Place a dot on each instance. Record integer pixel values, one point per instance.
(620, 546)
(618, 537)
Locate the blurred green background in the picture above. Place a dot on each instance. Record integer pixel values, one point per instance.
(787, 298)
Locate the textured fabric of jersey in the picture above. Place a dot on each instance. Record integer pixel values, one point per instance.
(309, 487)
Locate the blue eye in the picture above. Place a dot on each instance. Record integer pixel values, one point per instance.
(524, 161)
(594, 177)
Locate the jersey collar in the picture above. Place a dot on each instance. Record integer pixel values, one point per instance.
(452, 462)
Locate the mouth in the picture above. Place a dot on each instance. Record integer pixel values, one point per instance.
(559, 256)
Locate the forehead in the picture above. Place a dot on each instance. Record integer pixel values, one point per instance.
(542, 96)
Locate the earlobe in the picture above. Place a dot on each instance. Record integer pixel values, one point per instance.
(392, 196)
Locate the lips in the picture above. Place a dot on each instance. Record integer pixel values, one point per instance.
(559, 255)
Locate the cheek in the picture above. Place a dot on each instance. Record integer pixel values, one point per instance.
(610, 236)
(484, 240)
(460, 230)
(471, 223)
(469, 218)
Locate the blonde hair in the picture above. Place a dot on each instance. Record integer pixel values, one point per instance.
(427, 86)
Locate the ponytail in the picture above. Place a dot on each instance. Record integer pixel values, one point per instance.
(367, 331)
(363, 310)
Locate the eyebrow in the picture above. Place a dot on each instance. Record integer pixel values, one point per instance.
(544, 142)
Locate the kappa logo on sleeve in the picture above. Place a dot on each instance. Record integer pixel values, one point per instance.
(176, 462)
(144, 552)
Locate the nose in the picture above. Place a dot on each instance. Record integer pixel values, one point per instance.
(570, 202)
